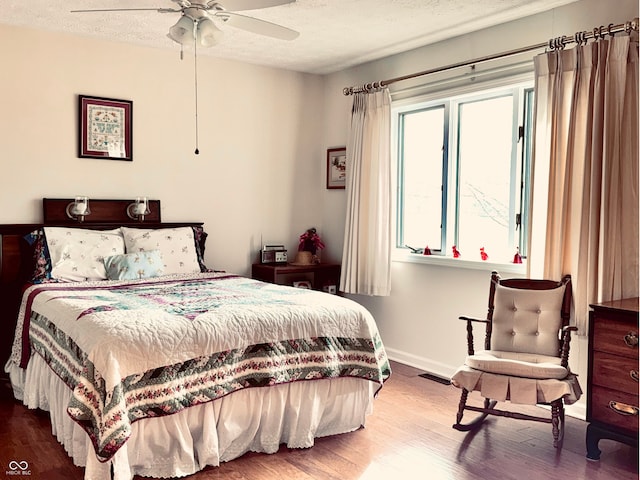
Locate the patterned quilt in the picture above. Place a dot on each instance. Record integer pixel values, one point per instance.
(137, 349)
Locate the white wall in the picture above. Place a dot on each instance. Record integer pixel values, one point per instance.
(418, 322)
(260, 169)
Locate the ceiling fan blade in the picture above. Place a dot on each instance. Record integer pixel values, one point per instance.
(238, 5)
(161, 10)
(254, 25)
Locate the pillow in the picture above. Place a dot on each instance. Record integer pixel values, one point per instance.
(40, 270)
(200, 237)
(177, 246)
(134, 266)
(78, 254)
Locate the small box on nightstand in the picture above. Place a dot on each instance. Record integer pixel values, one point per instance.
(332, 289)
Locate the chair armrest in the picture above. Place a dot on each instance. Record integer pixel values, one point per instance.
(470, 319)
(470, 346)
(566, 339)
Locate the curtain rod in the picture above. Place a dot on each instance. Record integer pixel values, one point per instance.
(557, 43)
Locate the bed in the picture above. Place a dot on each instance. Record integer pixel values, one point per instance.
(149, 363)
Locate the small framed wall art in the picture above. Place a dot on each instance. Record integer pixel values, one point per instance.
(336, 167)
(105, 128)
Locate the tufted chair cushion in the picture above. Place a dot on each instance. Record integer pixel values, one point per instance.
(525, 365)
(527, 321)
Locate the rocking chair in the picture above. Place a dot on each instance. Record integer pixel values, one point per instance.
(526, 355)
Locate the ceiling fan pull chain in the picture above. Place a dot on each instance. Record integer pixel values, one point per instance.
(195, 76)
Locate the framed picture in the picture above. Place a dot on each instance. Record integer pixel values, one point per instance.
(302, 284)
(105, 128)
(336, 167)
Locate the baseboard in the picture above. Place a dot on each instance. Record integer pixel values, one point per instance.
(577, 410)
(423, 363)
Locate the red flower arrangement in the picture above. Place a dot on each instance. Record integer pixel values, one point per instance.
(310, 241)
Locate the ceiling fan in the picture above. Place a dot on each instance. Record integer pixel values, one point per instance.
(196, 24)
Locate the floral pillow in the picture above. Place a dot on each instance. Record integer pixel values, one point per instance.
(41, 271)
(177, 246)
(78, 254)
(200, 237)
(134, 266)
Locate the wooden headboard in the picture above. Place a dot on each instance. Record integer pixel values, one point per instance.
(16, 258)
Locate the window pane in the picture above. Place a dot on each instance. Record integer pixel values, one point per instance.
(422, 147)
(484, 160)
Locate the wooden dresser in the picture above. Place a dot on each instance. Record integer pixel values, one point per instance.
(612, 390)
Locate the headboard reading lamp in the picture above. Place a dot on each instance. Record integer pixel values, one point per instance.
(138, 209)
(78, 209)
(74, 211)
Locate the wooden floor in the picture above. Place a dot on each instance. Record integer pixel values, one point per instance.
(409, 436)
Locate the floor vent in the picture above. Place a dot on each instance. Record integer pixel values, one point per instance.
(435, 378)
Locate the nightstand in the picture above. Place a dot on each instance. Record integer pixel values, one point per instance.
(319, 275)
(612, 388)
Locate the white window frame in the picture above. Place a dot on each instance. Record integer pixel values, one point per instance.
(460, 93)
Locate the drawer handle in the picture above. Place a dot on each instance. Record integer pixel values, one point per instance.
(634, 375)
(623, 409)
(631, 339)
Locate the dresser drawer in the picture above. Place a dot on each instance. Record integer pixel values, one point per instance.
(615, 372)
(603, 404)
(616, 337)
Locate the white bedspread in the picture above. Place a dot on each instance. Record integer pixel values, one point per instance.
(133, 350)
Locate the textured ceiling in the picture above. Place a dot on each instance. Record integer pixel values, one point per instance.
(334, 34)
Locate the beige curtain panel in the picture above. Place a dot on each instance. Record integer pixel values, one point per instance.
(586, 128)
(366, 255)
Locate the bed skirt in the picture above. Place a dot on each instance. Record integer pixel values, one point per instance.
(253, 419)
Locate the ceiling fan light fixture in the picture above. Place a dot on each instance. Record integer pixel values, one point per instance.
(208, 34)
(183, 31)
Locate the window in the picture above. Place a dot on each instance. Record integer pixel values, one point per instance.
(463, 172)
